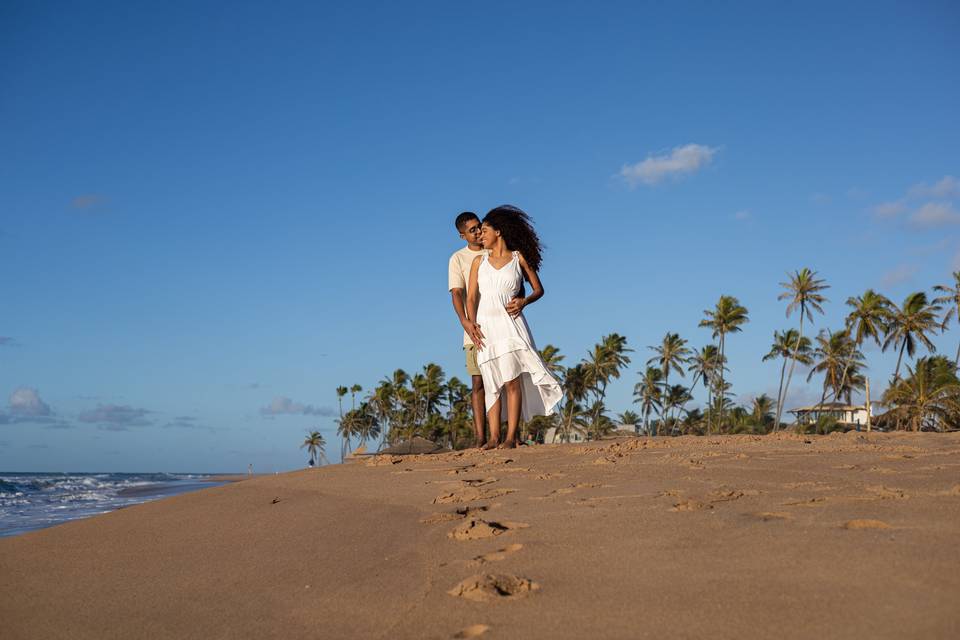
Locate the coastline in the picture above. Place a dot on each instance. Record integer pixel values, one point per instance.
(843, 536)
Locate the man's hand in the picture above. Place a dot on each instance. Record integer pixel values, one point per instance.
(515, 306)
(473, 330)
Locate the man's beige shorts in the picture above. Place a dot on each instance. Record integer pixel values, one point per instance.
(473, 368)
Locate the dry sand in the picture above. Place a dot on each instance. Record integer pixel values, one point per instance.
(844, 536)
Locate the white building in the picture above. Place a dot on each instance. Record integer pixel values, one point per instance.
(848, 415)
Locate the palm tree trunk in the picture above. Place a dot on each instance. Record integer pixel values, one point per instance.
(896, 373)
(956, 362)
(793, 362)
(783, 369)
(723, 392)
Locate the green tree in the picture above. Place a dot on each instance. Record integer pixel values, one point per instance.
(354, 390)
(629, 419)
(576, 386)
(952, 299)
(672, 353)
(838, 359)
(762, 412)
(784, 346)
(552, 358)
(728, 316)
(704, 365)
(648, 394)
(803, 291)
(315, 446)
(911, 324)
(928, 398)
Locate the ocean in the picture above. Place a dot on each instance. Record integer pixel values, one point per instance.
(30, 501)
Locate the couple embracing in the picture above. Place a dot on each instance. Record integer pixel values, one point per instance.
(486, 278)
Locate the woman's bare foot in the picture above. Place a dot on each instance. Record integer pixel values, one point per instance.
(492, 444)
(508, 444)
(480, 445)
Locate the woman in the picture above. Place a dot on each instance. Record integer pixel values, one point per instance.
(506, 353)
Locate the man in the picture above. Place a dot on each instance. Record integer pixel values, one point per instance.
(468, 226)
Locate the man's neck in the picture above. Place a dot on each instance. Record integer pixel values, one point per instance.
(474, 247)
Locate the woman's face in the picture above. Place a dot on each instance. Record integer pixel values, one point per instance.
(488, 236)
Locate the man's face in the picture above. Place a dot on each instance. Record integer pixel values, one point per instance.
(471, 231)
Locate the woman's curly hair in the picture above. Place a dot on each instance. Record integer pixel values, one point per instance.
(516, 228)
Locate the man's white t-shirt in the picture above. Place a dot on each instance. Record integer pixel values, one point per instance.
(459, 275)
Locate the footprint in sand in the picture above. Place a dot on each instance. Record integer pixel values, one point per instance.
(865, 524)
(768, 516)
(473, 631)
(690, 505)
(812, 502)
(478, 482)
(459, 514)
(470, 494)
(550, 476)
(562, 491)
(487, 587)
(478, 529)
(887, 493)
(498, 555)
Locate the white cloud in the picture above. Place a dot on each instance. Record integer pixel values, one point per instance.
(88, 201)
(900, 274)
(743, 214)
(281, 405)
(946, 187)
(26, 402)
(114, 417)
(935, 214)
(681, 160)
(821, 199)
(889, 209)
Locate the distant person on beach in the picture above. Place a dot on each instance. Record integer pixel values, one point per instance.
(506, 353)
(468, 226)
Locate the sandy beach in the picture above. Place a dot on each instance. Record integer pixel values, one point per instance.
(843, 536)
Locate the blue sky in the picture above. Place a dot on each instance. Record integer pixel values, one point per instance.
(211, 209)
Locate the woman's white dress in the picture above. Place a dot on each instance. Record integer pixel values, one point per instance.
(509, 350)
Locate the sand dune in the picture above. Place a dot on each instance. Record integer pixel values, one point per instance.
(844, 536)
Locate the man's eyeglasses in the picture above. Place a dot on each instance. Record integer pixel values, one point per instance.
(472, 230)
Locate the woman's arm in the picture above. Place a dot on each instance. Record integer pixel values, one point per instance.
(515, 306)
(473, 299)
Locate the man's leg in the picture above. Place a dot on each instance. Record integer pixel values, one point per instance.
(476, 395)
(478, 403)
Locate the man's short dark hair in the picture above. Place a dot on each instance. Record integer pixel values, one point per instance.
(463, 219)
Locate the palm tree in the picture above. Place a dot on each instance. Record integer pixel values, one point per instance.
(803, 291)
(341, 391)
(839, 360)
(928, 397)
(648, 394)
(910, 324)
(674, 398)
(704, 365)
(343, 429)
(762, 411)
(576, 386)
(604, 363)
(784, 346)
(354, 390)
(953, 299)
(728, 316)
(671, 354)
(552, 358)
(628, 418)
(315, 446)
